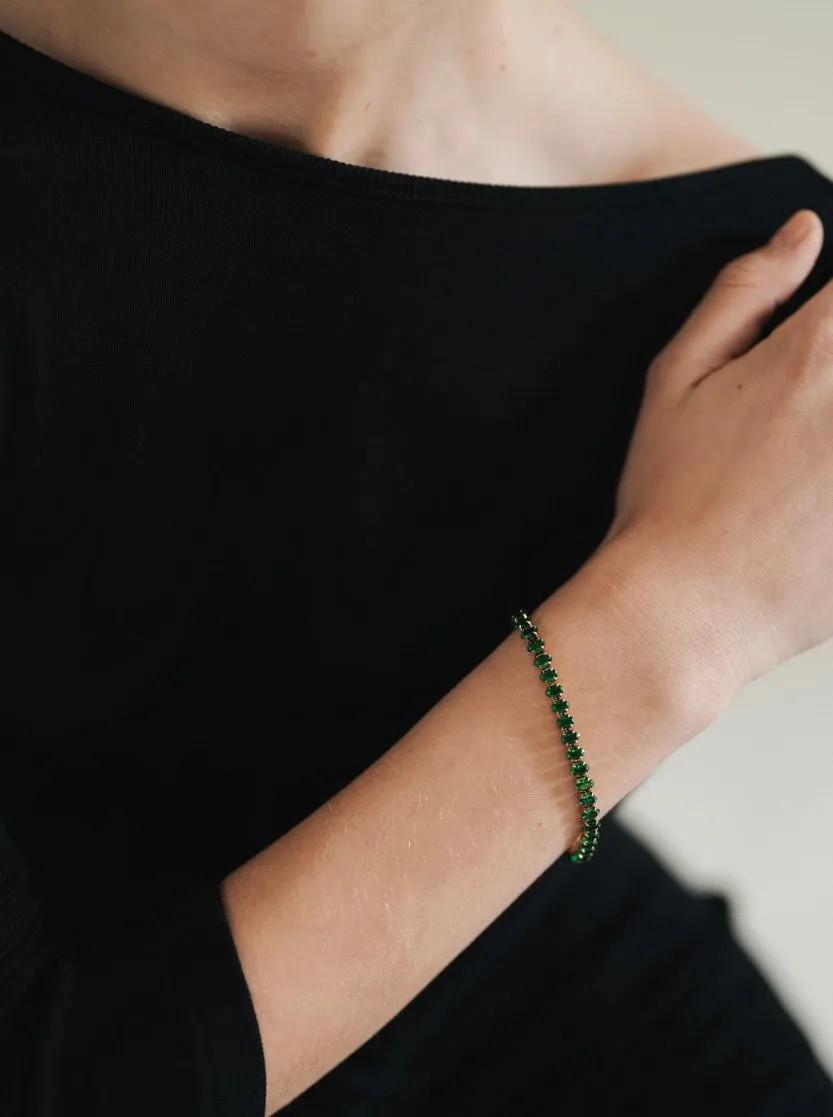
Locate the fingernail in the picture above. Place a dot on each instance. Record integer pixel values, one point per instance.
(796, 230)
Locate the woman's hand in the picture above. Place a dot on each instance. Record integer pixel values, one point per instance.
(727, 492)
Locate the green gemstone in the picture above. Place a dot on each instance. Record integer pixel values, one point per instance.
(559, 707)
(579, 768)
(520, 619)
(529, 632)
(590, 812)
(542, 659)
(555, 690)
(570, 736)
(587, 799)
(577, 858)
(565, 721)
(548, 674)
(574, 753)
(535, 645)
(591, 825)
(584, 784)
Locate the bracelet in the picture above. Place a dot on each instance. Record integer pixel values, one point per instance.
(587, 841)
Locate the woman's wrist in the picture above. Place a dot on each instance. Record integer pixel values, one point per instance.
(640, 664)
(669, 589)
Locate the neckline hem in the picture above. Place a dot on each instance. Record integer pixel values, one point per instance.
(130, 107)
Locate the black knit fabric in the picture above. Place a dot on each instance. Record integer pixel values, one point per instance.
(283, 444)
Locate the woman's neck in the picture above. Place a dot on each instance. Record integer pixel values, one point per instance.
(505, 91)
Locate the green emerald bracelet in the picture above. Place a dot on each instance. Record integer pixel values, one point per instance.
(585, 846)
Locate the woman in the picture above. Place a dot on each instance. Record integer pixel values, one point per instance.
(326, 327)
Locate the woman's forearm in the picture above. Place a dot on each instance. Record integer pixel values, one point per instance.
(345, 919)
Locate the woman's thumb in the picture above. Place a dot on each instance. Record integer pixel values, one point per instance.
(747, 292)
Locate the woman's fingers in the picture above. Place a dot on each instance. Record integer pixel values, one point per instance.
(730, 318)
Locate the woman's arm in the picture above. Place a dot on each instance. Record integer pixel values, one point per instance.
(344, 920)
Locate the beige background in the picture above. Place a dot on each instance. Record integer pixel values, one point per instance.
(748, 806)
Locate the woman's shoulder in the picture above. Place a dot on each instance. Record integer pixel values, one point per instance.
(688, 140)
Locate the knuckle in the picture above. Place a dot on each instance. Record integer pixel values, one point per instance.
(661, 370)
(657, 367)
(741, 273)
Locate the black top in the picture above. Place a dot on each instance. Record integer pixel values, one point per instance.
(283, 443)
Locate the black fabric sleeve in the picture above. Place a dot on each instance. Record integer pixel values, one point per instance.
(168, 1030)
